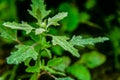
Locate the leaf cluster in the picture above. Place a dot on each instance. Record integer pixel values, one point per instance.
(40, 47)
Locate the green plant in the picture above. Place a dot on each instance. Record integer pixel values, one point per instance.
(38, 46)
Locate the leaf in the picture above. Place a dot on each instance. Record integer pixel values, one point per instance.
(46, 53)
(51, 70)
(92, 59)
(79, 71)
(33, 69)
(8, 10)
(34, 76)
(38, 9)
(90, 4)
(79, 41)
(22, 54)
(54, 20)
(8, 34)
(23, 26)
(54, 62)
(62, 41)
(65, 78)
(84, 17)
(70, 23)
(57, 50)
(62, 66)
(39, 31)
(27, 61)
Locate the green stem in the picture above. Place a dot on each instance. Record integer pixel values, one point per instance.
(13, 72)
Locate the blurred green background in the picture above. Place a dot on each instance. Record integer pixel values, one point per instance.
(88, 18)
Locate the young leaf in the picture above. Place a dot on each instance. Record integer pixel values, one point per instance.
(38, 9)
(23, 26)
(8, 34)
(54, 62)
(52, 71)
(22, 54)
(54, 20)
(33, 69)
(79, 71)
(79, 41)
(62, 41)
(62, 66)
(39, 31)
(46, 53)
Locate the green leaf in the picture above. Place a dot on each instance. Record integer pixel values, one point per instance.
(27, 61)
(8, 34)
(57, 50)
(39, 31)
(8, 10)
(33, 69)
(62, 66)
(22, 54)
(84, 17)
(62, 41)
(92, 59)
(54, 62)
(79, 71)
(38, 9)
(51, 70)
(34, 76)
(23, 26)
(65, 78)
(70, 23)
(34, 37)
(46, 53)
(90, 4)
(54, 20)
(79, 41)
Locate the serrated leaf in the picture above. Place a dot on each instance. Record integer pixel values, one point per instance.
(39, 31)
(79, 41)
(79, 71)
(62, 41)
(23, 26)
(38, 9)
(65, 78)
(54, 62)
(22, 54)
(8, 34)
(54, 20)
(92, 59)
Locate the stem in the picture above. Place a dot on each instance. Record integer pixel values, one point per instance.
(13, 72)
(45, 72)
(51, 75)
(18, 41)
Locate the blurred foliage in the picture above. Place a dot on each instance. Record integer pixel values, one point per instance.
(8, 10)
